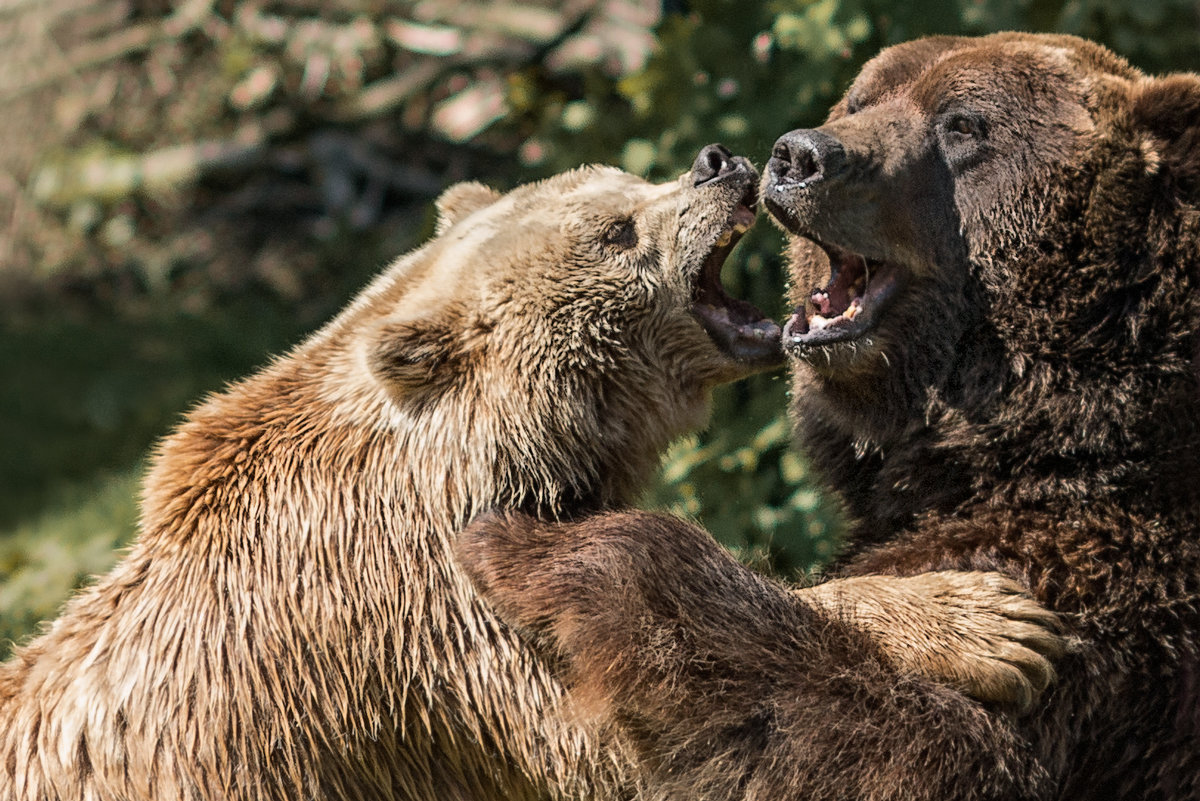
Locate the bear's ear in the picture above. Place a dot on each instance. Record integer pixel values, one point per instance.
(1169, 110)
(462, 199)
(416, 356)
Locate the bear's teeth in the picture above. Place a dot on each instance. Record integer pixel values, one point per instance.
(852, 312)
(741, 228)
(725, 239)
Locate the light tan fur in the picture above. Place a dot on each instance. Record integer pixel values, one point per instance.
(978, 632)
(289, 623)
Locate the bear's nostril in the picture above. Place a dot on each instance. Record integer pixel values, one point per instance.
(712, 162)
(716, 160)
(805, 166)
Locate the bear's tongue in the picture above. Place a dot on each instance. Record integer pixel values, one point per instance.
(842, 297)
(736, 326)
(848, 305)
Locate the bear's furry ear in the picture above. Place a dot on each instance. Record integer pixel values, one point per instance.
(415, 356)
(462, 199)
(1169, 110)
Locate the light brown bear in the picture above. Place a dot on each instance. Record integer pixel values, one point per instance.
(289, 623)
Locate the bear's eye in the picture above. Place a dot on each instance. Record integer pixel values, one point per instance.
(621, 234)
(964, 125)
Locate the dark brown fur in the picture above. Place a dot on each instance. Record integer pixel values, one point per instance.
(1028, 403)
(725, 685)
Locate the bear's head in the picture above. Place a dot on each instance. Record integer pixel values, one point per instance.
(1008, 219)
(557, 337)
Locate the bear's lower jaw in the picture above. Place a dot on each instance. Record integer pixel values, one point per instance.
(753, 342)
(737, 327)
(846, 309)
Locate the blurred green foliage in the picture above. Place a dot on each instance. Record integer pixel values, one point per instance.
(83, 402)
(44, 556)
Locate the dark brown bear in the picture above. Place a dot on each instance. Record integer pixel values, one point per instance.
(997, 372)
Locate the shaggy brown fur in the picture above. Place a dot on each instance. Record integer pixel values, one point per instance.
(290, 625)
(997, 372)
(723, 684)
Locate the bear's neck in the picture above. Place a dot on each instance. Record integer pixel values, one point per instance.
(1053, 439)
(300, 435)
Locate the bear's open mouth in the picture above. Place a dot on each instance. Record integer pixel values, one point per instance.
(848, 306)
(736, 326)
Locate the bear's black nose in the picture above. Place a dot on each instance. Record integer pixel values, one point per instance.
(711, 163)
(805, 156)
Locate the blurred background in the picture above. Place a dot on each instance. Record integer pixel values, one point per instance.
(187, 187)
